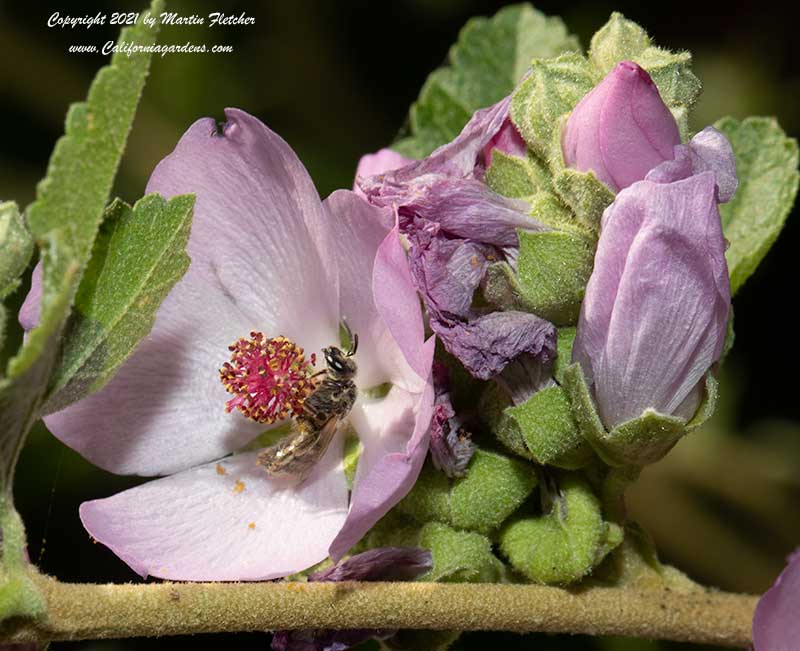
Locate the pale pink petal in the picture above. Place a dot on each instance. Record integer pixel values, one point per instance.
(398, 304)
(358, 232)
(255, 266)
(395, 434)
(224, 522)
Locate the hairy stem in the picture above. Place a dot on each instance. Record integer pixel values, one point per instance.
(88, 611)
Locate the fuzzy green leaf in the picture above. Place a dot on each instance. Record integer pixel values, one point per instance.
(489, 58)
(138, 256)
(64, 220)
(766, 164)
(16, 248)
(70, 200)
(516, 177)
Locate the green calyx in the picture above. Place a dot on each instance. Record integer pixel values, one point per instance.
(457, 555)
(543, 428)
(492, 489)
(548, 429)
(639, 441)
(564, 544)
(460, 556)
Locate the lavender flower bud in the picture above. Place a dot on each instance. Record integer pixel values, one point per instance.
(656, 308)
(621, 129)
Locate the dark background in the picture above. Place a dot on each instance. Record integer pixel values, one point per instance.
(336, 79)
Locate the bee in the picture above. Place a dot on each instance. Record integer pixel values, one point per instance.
(295, 455)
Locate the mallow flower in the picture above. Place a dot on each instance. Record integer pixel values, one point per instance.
(274, 271)
(776, 626)
(456, 227)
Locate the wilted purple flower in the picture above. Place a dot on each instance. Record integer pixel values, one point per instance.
(266, 255)
(451, 446)
(656, 308)
(382, 564)
(456, 227)
(621, 129)
(776, 624)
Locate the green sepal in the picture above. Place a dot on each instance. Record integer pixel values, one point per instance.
(493, 488)
(429, 499)
(639, 441)
(553, 268)
(16, 248)
(457, 555)
(493, 403)
(730, 338)
(708, 404)
(619, 39)
(622, 39)
(586, 196)
(642, 440)
(564, 545)
(564, 343)
(552, 89)
(19, 596)
(548, 208)
(583, 409)
(460, 556)
(545, 425)
(627, 442)
(516, 177)
(766, 164)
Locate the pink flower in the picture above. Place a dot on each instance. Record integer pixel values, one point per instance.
(268, 256)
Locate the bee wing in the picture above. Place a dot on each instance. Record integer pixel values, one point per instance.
(296, 456)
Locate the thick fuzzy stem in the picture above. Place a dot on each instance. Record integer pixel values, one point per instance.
(87, 611)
